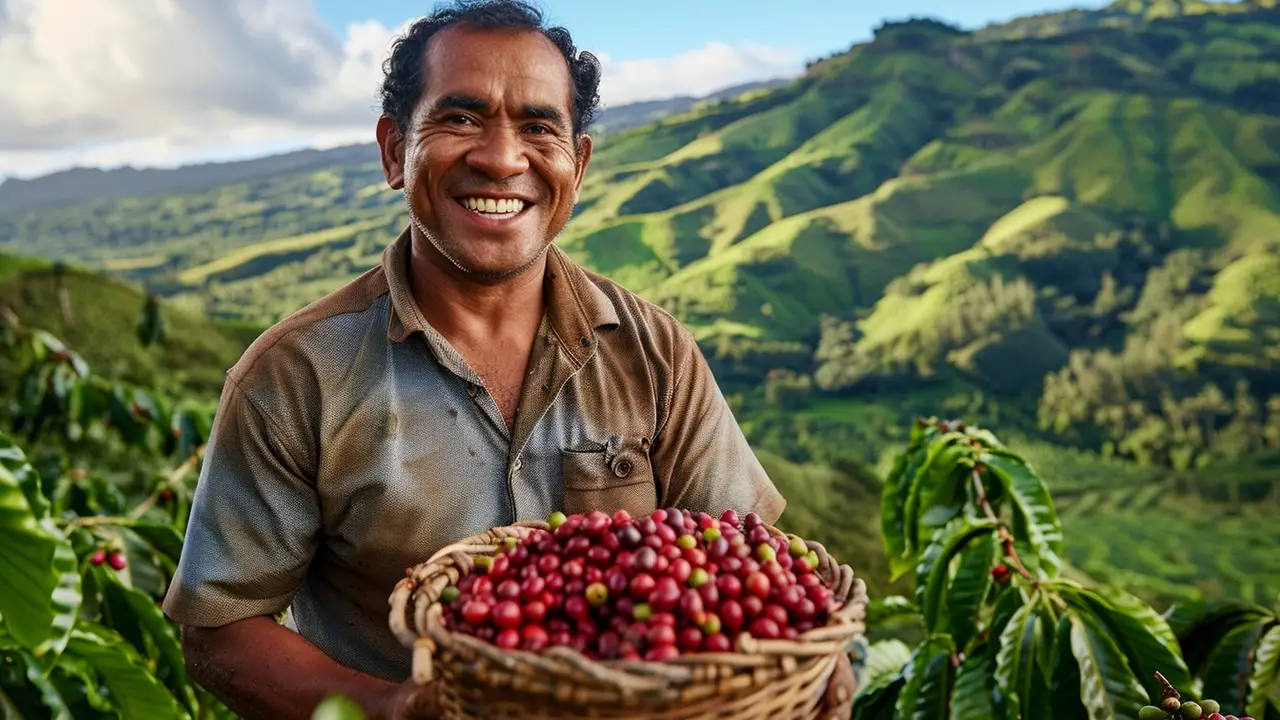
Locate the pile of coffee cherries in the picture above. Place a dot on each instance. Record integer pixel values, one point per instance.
(650, 588)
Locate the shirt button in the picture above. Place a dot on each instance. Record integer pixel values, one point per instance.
(515, 467)
(622, 468)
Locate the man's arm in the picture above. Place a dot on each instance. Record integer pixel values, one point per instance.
(700, 455)
(261, 669)
(254, 525)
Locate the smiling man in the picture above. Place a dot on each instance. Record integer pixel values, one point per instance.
(475, 378)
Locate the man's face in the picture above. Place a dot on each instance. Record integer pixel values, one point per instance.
(488, 164)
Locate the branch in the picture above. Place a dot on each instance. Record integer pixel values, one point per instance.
(1006, 538)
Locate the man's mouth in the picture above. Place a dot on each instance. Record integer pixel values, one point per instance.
(494, 208)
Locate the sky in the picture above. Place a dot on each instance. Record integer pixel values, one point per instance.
(159, 83)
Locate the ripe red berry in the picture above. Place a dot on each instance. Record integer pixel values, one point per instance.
(506, 614)
(680, 570)
(717, 642)
(508, 589)
(665, 595)
(99, 556)
(663, 653)
(689, 639)
(534, 611)
(732, 615)
(690, 604)
(599, 556)
(659, 635)
(476, 612)
(116, 561)
(730, 516)
(534, 638)
(508, 639)
(764, 628)
(642, 585)
(758, 585)
(621, 517)
(576, 607)
(1001, 574)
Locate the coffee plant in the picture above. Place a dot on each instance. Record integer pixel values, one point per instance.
(87, 554)
(1008, 633)
(96, 478)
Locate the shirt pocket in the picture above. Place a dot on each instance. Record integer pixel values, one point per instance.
(610, 476)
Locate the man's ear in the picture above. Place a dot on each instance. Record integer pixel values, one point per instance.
(391, 145)
(583, 159)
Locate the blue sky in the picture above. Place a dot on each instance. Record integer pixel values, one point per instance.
(642, 29)
(273, 75)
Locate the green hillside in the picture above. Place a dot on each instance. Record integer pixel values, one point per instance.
(98, 315)
(1066, 227)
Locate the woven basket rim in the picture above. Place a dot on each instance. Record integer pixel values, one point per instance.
(410, 612)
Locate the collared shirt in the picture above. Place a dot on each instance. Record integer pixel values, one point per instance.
(352, 441)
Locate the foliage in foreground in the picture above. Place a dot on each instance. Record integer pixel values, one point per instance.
(1007, 634)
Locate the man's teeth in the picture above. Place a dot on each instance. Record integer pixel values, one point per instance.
(491, 205)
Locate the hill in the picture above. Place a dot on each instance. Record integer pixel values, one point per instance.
(1066, 227)
(97, 316)
(83, 184)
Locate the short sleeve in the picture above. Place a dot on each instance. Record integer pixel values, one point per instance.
(700, 452)
(253, 526)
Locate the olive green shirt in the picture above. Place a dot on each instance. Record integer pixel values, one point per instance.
(352, 441)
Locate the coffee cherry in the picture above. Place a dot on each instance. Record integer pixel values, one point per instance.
(447, 596)
(597, 594)
(116, 561)
(556, 519)
(99, 556)
(1000, 573)
(698, 577)
(1191, 710)
(730, 517)
(1169, 704)
(1210, 706)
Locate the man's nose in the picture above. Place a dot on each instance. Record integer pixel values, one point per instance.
(500, 154)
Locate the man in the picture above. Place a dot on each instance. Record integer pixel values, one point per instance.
(475, 378)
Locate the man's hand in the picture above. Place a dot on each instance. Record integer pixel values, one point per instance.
(837, 704)
(412, 702)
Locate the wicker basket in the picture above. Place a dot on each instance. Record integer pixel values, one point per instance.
(773, 679)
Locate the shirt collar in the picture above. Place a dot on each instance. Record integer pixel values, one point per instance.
(576, 306)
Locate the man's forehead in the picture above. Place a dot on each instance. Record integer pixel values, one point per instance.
(469, 60)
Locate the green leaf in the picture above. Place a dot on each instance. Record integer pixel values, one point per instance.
(15, 460)
(66, 597)
(27, 565)
(1108, 688)
(970, 586)
(935, 567)
(929, 675)
(133, 689)
(1143, 635)
(893, 502)
(974, 696)
(938, 473)
(1064, 687)
(338, 707)
(878, 704)
(1226, 671)
(1265, 678)
(48, 693)
(132, 613)
(893, 608)
(885, 660)
(1015, 661)
(1035, 519)
(1199, 627)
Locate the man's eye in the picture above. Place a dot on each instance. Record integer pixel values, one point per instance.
(458, 119)
(539, 129)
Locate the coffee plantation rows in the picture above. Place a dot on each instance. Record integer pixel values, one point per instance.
(93, 472)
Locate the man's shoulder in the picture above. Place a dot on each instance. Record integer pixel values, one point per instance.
(308, 331)
(643, 318)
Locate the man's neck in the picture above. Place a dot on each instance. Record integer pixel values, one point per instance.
(473, 312)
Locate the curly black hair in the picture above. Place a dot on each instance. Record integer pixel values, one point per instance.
(403, 69)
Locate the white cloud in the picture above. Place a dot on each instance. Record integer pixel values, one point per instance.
(161, 82)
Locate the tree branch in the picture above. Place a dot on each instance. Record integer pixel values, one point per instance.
(1006, 538)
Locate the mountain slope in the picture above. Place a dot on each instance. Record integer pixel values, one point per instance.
(1080, 219)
